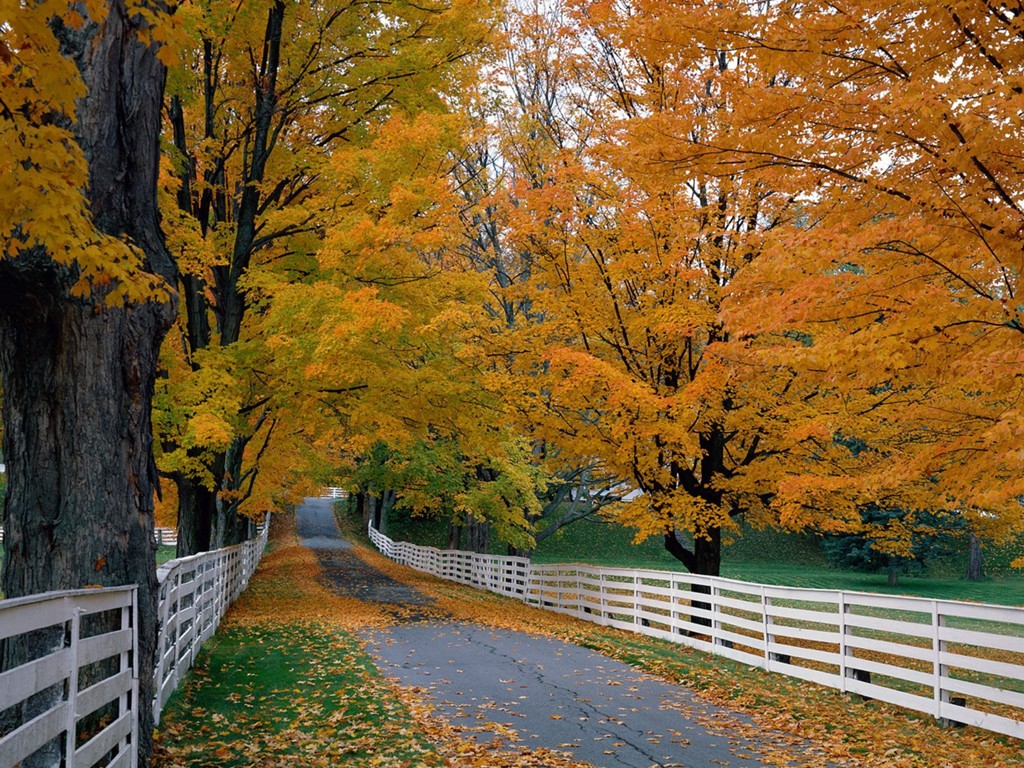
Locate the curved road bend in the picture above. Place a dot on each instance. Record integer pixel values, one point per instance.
(551, 693)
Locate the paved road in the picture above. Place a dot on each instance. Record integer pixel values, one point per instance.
(551, 693)
(347, 574)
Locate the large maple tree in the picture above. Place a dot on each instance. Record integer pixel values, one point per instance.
(901, 123)
(85, 300)
(627, 357)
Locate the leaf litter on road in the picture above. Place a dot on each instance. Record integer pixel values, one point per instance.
(285, 682)
(823, 726)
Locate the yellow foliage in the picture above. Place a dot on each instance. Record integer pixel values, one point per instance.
(43, 171)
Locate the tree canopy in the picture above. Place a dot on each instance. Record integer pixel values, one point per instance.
(510, 264)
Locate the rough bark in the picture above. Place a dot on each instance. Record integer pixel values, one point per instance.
(369, 507)
(196, 505)
(453, 536)
(78, 377)
(704, 558)
(478, 535)
(387, 503)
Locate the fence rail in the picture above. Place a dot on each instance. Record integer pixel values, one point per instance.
(959, 662)
(76, 664)
(75, 681)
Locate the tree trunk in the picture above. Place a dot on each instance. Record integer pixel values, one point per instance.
(387, 503)
(477, 535)
(78, 376)
(705, 558)
(975, 563)
(227, 526)
(79, 506)
(196, 508)
(893, 575)
(369, 508)
(454, 535)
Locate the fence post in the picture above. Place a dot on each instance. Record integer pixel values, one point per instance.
(161, 643)
(130, 620)
(636, 599)
(604, 598)
(846, 652)
(72, 714)
(766, 618)
(843, 650)
(938, 646)
(716, 626)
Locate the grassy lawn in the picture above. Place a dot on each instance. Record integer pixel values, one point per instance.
(288, 694)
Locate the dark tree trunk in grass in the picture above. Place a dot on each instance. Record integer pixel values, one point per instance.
(705, 559)
(78, 377)
(478, 535)
(706, 556)
(453, 535)
(893, 574)
(975, 563)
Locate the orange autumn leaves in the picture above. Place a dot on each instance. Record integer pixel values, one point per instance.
(773, 257)
(757, 262)
(739, 267)
(43, 169)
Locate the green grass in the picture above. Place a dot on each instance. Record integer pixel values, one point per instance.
(604, 543)
(287, 695)
(1001, 590)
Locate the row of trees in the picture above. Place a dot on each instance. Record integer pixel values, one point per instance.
(507, 265)
(163, 168)
(758, 261)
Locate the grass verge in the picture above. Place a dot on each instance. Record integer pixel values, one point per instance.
(286, 683)
(289, 694)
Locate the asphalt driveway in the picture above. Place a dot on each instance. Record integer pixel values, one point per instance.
(530, 690)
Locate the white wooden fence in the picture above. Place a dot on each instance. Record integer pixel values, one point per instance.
(165, 537)
(55, 675)
(960, 662)
(194, 594)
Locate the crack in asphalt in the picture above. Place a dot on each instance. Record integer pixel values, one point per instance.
(585, 707)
